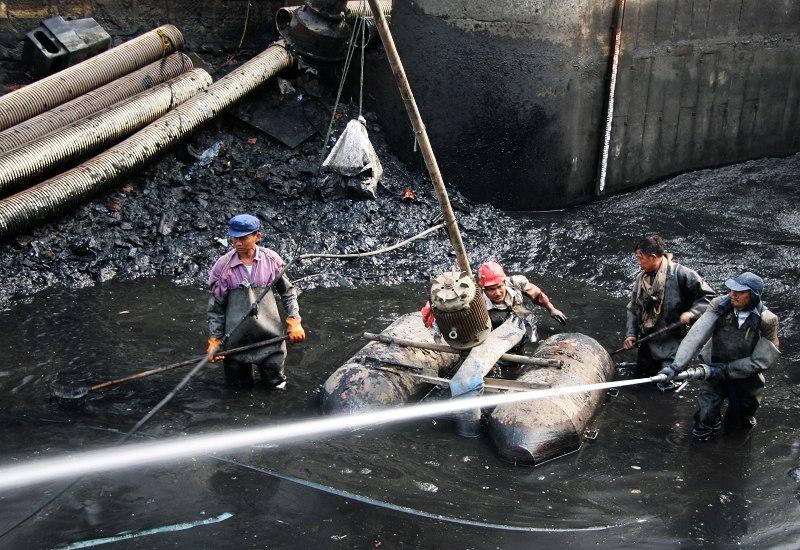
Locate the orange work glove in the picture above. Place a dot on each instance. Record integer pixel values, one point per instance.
(214, 344)
(427, 315)
(295, 330)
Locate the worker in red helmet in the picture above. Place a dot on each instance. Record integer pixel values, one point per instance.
(504, 295)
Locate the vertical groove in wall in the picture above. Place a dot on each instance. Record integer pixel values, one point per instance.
(791, 110)
(749, 103)
(721, 98)
(704, 106)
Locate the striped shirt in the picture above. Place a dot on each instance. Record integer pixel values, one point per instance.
(229, 272)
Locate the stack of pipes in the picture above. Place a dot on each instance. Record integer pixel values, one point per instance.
(85, 107)
(144, 89)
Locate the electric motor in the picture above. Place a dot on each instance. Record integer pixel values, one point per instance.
(459, 309)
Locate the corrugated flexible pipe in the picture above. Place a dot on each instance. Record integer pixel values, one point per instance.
(91, 102)
(22, 164)
(42, 95)
(70, 189)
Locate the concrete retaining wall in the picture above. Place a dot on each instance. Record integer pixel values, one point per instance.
(704, 84)
(514, 94)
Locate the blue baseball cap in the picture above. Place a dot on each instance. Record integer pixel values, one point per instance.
(243, 224)
(746, 281)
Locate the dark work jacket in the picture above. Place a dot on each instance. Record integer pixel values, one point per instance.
(737, 352)
(684, 290)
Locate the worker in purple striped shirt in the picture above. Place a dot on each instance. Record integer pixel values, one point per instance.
(236, 281)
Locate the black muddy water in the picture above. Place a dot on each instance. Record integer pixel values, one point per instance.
(643, 482)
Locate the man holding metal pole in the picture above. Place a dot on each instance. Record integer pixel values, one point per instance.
(664, 294)
(237, 311)
(739, 340)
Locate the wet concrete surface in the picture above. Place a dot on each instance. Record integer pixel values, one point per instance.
(644, 482)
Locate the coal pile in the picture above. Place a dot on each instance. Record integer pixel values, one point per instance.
(170, 219)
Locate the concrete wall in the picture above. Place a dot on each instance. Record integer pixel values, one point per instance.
(500, 86)
(704, 84)
(514, 94)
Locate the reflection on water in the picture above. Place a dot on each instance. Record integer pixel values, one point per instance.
(643, 482)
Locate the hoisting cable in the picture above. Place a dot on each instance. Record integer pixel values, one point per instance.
(348, 59)
(359, 26)
(363, 26)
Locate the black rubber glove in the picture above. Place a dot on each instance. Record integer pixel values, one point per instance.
(670, 371)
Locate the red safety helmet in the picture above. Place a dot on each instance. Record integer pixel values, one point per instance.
(491, 274)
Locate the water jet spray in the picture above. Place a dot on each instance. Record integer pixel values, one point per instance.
(129, 455)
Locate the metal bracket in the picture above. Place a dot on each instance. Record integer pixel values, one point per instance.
(590, 435)
(612, 392)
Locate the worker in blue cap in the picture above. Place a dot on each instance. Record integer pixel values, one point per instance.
(236, 282)
(739, 340)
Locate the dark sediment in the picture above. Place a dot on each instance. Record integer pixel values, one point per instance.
(169, 220)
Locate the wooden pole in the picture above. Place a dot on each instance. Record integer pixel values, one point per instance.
(421, 135)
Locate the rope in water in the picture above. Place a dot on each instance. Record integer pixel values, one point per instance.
(395, 507)
(378, 251)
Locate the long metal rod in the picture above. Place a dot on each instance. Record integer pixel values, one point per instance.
(493, 384)
(187, 362)
(612, 87)
(421, 136)
(386, 339)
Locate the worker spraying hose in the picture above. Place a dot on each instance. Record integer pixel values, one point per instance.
(739, 340)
